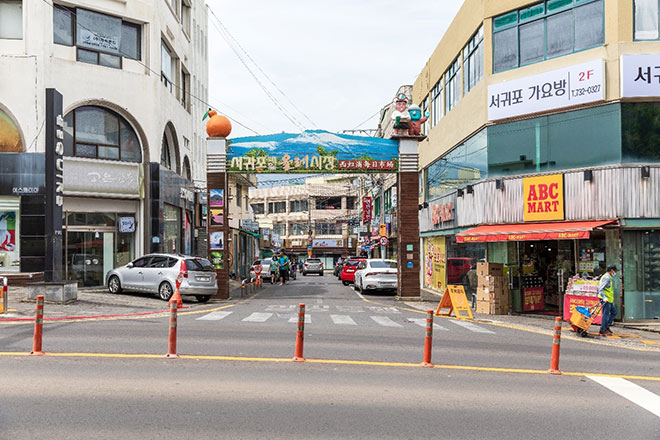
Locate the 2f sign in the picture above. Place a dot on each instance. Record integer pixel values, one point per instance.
(586, 75)
(543, 198)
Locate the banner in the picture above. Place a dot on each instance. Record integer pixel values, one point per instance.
(313, 151)
(640, 75)
(435, 263)
(543, 198)
(367, 206)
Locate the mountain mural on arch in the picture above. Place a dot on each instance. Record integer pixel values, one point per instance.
(312, 151)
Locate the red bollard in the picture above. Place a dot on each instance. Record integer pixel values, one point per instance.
(301, 334)
(171, 350)
(3, 296)
(556, 340)
(38, 327)
(428, 341)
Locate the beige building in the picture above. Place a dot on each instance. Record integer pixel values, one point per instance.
(563, 91)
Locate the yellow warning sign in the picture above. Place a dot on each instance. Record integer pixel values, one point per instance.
(455, 300)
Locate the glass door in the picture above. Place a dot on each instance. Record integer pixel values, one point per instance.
(89, 256)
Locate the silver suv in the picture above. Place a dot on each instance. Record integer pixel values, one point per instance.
(313, 265)
(157, 273)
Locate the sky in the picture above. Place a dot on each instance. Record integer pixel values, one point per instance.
(338, 62)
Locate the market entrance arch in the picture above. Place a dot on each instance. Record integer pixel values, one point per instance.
(317, 152)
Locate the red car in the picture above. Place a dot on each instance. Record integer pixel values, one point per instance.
(457, 269)
(348, 272)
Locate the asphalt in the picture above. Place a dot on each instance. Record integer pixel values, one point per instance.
(98, 302)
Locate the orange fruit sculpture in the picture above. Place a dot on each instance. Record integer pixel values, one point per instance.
(218, 125)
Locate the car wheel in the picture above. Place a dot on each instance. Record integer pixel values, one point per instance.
(114, 285)
(165, 291)
(345, 283)
(355, 287)
(203, 298)
(321, 274)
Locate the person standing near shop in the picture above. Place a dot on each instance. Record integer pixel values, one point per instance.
(606, 296)
(284, 264)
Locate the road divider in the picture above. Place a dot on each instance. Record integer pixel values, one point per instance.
(38, 327)
(300, 336)
(556, 343)
(428, 340)
(171, 346)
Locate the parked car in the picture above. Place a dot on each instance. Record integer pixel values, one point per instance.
(157, 273)
(348, 272)
(339, 265)
(458, 268)
(376, 275)
(313, 265)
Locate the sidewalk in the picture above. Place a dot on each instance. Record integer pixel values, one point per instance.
(97, 301)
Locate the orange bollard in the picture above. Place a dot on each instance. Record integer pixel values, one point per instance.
(38, 327)
(301, 334)
(556, 340)
(171, 349)
(3, 296)
(428, 341)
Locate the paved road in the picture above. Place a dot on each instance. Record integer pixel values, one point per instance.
(360, 381)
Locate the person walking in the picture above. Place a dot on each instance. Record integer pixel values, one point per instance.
(284, 265)
(274, 269)
(606, 296)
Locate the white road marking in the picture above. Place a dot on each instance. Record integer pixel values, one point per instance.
(636, 394)
(418, 306)
(342, 320)
(376, 309)
(308, 319)
(258, 317)
(280, 308)
(385, 321)
(422, 323)
(350, 309)
(214, 316)
(472, 327)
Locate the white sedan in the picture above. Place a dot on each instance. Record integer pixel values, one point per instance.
(376, 275)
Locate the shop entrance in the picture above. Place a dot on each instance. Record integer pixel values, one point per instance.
(89, 255)
(544, 267)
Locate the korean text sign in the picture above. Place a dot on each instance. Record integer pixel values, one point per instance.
(640, 75)
(543, 198)
(574, 85)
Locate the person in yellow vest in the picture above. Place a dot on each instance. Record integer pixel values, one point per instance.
(606, 296)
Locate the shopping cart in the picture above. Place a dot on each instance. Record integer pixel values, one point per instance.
(583, 317)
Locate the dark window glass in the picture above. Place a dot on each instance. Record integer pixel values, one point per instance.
(560, 34)
(383, 264)
(32, 246)
(68, 134)
(258, 208)
(158, 262)
(96, 125)
(641, 131)
(589, 26)
(88, 56)
(130, 146)
(531, 42)
(130, 40)
(505, 49)
(142, 262)
(35, 225)
(171, 262)
(84, 150)
(62, 25)
(199, 265)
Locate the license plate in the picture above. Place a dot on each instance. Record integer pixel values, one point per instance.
(205, 279)
(389, 284)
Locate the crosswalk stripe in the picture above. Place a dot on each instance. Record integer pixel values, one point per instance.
(258, 317)
(422, 323)
(308, 319)
(385, 321)
(214, 316)
(636, 394)
(342, 320)
(472, 327)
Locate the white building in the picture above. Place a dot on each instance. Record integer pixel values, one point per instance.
(130, 73)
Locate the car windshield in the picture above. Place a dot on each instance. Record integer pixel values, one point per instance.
(383, 264)
(199, 265)
(352, 263)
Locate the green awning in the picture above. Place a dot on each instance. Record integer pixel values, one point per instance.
(254, 234)
(642, 223)
(442, 232)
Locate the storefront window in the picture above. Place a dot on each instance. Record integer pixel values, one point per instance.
(9, 233)
(10, 137)
(172, 228)
(641, 274)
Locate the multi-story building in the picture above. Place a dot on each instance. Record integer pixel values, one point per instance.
(133, 76)
(243, 236)
(544, 125)
(320, 214)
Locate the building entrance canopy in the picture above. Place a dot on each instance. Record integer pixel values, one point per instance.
(313, 151)
(531, 231)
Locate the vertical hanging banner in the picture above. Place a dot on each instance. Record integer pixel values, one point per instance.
(367, 206)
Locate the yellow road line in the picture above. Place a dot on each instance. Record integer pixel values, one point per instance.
(337, 362)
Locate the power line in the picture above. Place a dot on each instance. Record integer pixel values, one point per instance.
(73, 13)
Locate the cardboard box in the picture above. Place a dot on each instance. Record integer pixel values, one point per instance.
(490, 294)
(496, 309)
(492, 282)
(496, 269)
(483, 307)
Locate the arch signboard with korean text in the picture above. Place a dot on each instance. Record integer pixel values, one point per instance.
(313, 151)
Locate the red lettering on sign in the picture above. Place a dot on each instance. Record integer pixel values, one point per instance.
(554, 190)
(532, 193)
(543, 191)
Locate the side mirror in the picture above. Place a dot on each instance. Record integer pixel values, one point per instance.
(130, 265)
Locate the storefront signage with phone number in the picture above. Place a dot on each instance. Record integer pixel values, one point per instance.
(569, 86)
